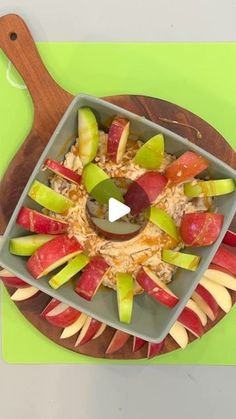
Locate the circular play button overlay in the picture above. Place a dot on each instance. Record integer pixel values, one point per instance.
(118, 208)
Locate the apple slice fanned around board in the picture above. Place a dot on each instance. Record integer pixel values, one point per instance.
(192, 319)
(230, 238)
(22, 294)
(209, 297)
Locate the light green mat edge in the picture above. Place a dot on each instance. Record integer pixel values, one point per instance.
(199, 77)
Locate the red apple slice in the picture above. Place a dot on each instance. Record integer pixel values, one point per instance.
(201, 228)
(179, 334)
(89, 330)
(10, 280)
(186, 167)
(189, 319)
(144, 191)
(226, 259)
(138, 343)
(118, 230)
(220, 269)
(39, 223)
(230, 238)
(63, 171)
(50, 306)
(195, 307)
(219, 293)
(74, 327)
(117, 138)
(154, 349)
(53, 254)
(156, 288)
(206, 302)
(118, 341)
(100, 331)
(22, 294)
(221, 276)
(62, 315)
(91, 278)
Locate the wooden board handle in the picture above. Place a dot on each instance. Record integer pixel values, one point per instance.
(17, 43)
(50, 103)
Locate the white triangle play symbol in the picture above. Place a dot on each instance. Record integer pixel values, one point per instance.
(116, 210)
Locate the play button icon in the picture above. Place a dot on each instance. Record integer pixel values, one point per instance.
(108, 213)
(116, 210)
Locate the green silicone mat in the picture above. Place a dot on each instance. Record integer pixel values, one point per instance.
(199, 77)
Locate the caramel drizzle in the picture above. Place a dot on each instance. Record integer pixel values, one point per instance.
(170, 121)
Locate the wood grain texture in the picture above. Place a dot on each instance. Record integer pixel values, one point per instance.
(50, 102)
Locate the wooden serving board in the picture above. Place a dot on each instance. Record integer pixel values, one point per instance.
(50, 102)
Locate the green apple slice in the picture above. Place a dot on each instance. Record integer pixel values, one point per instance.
(48, 198)
(163, 220)
(73, 267)
(99, 185)
(27, 245)
(150, 155)
(209, 187)
(88, 135)
(182, 260)
(125, 295)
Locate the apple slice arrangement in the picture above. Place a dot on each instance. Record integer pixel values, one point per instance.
(52, 246)
(211, 295)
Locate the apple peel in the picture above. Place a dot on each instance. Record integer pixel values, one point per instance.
(91, 279)
(88, 135)
(219, 293)
(182, 260)
(72, 268)
(40, 223)
(62, 315)
(209, 187)
(163, 220)
(49, 198)
(125, 296)
(27, 245)
(150, 155)
(53, 254)
(89, 330)
(10, 280)
(185, 167)
(62, 171)
(117, 138)
(119, 339)
(205, 301)
(156, 288)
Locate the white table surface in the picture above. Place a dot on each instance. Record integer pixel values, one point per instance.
(105, 392)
